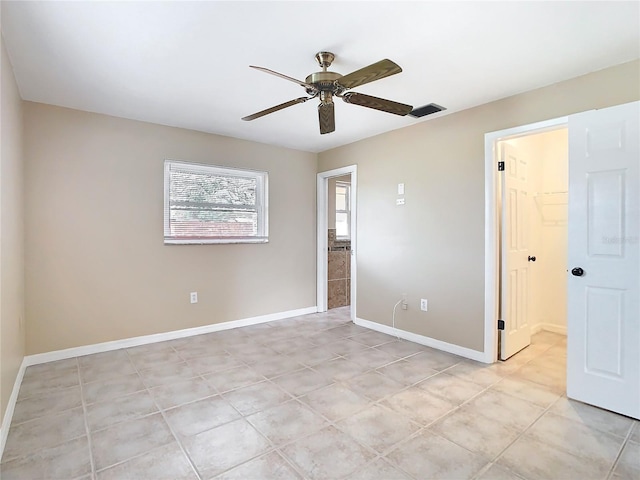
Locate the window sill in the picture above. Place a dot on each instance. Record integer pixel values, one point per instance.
(213, 241)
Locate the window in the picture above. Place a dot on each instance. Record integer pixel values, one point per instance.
(343, 213)
(208, 204)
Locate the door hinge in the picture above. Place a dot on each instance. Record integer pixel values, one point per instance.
(501, 166)
(500, 324)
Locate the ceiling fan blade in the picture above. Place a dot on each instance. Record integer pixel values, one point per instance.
(276, 108)
(291, 79)
(375, 71)
(326, 115)
(377, 103)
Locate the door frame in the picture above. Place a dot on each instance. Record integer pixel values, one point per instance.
(492, 237)
(322, 190)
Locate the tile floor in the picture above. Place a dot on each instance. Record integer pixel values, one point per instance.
(313, 397)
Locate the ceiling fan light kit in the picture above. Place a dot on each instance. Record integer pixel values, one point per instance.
(325, 85)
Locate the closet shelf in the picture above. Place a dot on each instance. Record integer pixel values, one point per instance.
(552, 207)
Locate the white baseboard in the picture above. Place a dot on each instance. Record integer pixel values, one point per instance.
(8, 413)
(161, 337)
(422, 340)
(549, 327)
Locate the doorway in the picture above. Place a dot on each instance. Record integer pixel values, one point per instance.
(493, 231)
(339, 243)
(336, 239)
(603, 278)
(533, 201)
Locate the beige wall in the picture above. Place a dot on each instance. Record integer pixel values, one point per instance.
(547, 155)
(433, 247)
(97, 268)
(12, 343)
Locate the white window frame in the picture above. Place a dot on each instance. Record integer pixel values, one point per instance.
(262, 203)
(347, 210)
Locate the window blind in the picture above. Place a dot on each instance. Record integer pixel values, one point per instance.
(209, 204)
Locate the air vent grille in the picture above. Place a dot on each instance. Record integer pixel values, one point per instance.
(426, 110)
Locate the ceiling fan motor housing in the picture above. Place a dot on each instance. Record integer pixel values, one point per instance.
(324, 81)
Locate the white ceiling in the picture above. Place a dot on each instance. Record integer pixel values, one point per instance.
(185, 64)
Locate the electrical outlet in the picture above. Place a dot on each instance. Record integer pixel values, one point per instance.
(194, 297)
(404, 303)
(423, 304)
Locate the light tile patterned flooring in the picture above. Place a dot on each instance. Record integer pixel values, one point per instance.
(313, 397)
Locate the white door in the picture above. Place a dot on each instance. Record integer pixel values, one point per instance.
(516, 198)
(603, 352)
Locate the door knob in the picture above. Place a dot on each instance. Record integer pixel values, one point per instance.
(577, 272)
(531, 259)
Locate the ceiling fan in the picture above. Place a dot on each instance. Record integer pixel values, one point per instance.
(325, 85)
